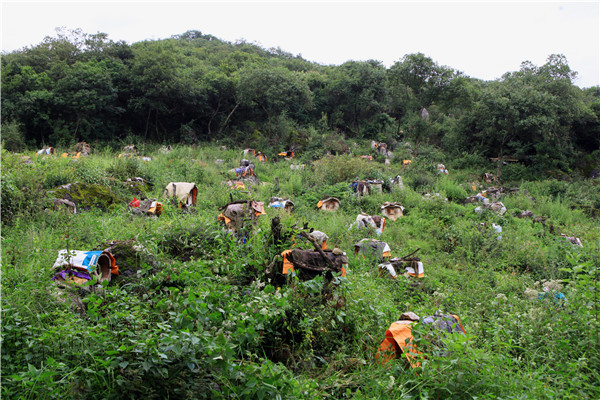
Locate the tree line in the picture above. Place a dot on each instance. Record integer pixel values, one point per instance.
(195, 87)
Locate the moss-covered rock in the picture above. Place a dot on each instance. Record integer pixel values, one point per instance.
(86, 195)
(138, 186)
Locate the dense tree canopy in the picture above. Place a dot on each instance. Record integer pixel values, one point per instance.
(194, 86)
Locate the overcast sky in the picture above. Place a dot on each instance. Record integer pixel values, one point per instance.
(483, 39)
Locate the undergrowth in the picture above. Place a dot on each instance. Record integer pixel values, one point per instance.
(200, 315)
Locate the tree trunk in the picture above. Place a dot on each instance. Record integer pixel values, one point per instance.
(147, 125)
(228, 117)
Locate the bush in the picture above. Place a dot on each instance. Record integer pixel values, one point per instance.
(470, 161)
(12, 137)
(332, 170)
(452, 191)
(515, 173)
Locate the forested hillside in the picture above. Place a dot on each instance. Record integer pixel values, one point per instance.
(194, 87)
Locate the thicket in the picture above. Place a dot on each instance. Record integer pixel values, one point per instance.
(199, 318)
(195, 88)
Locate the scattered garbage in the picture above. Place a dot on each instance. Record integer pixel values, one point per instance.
(498, 230)
(441, 168)
(550, 290)
(246, 172)
(484, 227)
(297, 167)
(369, 158)
(149, 207)
(79, 266)
(366, 187)
(379, 147)
(235, 214)
(261, 157)
(183, 193)
(250, 152)
(399, 339)
(235, 185)
(83, 148)
(278, 202)
(129, 151)
(329, 204)
(392, 211)
(411, 265)
(373, 247)
(572, 239)
(73, 156)
(46, 151)
(489, 178)
(479, 197)
(433, 196)
(397, 181)
(320, 238)
(496, 206)
(286, 154)
(496, 193)
(312, 262)
(365, 221)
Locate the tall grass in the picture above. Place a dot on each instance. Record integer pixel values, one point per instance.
(200, 317)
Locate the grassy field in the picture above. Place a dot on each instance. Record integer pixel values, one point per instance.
(197, 316)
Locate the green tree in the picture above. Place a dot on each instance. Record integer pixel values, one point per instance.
(419, 80)
(528, 114)
(271, 91)
(355, 96)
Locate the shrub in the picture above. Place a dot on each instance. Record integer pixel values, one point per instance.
(332, 170)
(12, 137)
(515, 172)
(452, 191)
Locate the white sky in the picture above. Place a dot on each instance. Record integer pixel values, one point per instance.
(483, 39)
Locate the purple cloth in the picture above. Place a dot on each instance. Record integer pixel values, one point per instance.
(64, 274)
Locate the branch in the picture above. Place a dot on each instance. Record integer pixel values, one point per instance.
(408, 255)
(318, 248)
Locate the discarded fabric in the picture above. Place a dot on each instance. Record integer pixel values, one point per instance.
(278, 202)
(364, 221)
(399, 339)
(329, 204)
(313, 263)
(320, 238)
(184, 192)
(373, 247)
(100, 262)
(392, 211)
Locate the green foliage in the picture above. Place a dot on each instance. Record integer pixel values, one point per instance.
(186, 90)
(197, 313)
(12, 137)
(450, 189)
(332, 170)
(86, 196)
